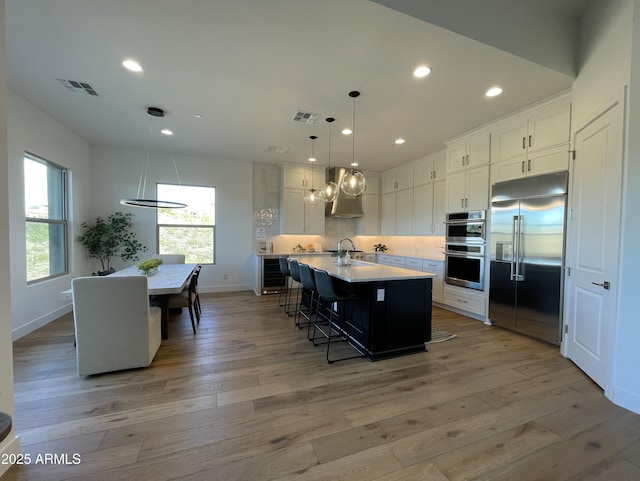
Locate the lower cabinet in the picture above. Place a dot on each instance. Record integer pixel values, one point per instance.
(465, 299)
(435, 267)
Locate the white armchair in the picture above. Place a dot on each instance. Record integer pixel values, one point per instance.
(115, 327)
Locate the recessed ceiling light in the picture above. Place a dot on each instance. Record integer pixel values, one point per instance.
(421, 71)
(166, 132)
(198, 116)
(347, 132)
(399, 141)
(493, 91)
(132, 65)
(312, 159)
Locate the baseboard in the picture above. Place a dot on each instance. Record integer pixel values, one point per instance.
(11, 445)
(225, 288)
(39, 322)
(626, 399)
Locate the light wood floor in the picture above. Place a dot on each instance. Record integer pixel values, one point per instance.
(249, 398)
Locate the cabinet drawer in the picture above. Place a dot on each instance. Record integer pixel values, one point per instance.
(398, 261)
(384, 259)
(432, 266)
(415, 264)
(468, 303)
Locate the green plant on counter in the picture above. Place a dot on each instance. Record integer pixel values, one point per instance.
(149, 264)
(299, 248)
(380, 248)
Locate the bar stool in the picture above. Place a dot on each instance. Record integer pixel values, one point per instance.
(306, 308)
(294, 269)
(286, 277)
(332, 325)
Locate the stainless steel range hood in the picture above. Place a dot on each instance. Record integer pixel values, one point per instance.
(345, 206)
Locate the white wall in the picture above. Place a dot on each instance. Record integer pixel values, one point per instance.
(115, 174)
(626, 378)
(607, 64)
(30, 129)
(10, 444)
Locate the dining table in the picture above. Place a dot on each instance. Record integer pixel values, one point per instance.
(170, 279)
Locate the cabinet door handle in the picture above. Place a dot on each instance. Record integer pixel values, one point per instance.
(529, 165)
(523, 166)
(434, 175)
(466, 202)
(524, 145)
(530, 138)
(463, 160)
(462, 202)
(467, 159)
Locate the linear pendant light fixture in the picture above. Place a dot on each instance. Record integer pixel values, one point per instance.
(140, 200)
(353, 182)
(312, 196)
(330, 188)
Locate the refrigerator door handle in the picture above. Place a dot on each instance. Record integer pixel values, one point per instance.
(514, 250)
(519, 254)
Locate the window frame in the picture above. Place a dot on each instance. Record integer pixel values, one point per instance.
(188, 226)
(64, 210)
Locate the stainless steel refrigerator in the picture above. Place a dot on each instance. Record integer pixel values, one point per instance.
(528, 218)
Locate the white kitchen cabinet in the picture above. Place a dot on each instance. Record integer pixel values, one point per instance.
(295, 177)
(471, 151)
(369, 224)
(533, 163)
(430, 169)
(539, 128)
(429, 209)
(397, 179)
(298, 217)
(439, 207)
(397, 261)
(435, 267)
(397, 213)
(384, 259)
(468, 300)
(468, 190)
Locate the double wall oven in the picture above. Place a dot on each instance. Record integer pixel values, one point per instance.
(465, 249)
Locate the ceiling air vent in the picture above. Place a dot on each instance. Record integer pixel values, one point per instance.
(79, 87)
(308, 118)
(278, 149)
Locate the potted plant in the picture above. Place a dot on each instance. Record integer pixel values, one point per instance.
(380, 248)
(111, 237)
(149, 266)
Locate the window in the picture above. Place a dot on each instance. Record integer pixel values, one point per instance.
(45, 191)
(189, 231)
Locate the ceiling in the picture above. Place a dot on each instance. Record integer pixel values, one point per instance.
(248, 65)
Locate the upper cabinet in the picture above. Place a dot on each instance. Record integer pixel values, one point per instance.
(397, 179)
(296, 216)
(540, 128)
(430, 169)
(471, 151)
(369, 224)
(532, 143)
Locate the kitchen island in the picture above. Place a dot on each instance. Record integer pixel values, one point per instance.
(394, 305)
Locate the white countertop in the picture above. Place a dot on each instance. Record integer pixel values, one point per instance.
(361, 271)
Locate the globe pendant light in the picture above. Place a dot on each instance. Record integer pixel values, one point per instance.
(312, 196)
(353, 182)
(330, 188)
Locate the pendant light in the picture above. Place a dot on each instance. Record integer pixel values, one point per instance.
(312, 196)
(140, 200)
(353, 182)
(330, 188)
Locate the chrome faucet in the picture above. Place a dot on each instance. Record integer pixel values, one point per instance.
(353, 246)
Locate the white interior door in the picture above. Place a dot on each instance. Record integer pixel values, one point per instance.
(590, 312)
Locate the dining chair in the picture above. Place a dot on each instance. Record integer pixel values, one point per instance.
(188, 299)
(115, 327)
(171, 258)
